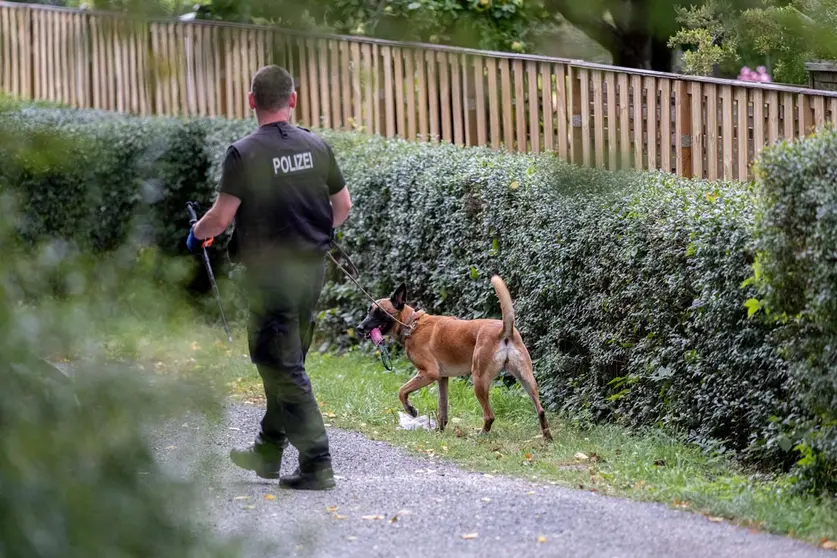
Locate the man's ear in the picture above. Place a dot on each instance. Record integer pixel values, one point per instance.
(399, 297)
(251, 100)
(292, 101)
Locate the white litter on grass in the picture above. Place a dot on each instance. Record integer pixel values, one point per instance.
(406, 422)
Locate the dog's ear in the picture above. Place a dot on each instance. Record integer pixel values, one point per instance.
(399, 297)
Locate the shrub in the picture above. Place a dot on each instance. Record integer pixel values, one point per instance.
(796, 239)
(119, 175)
(78, 475)
(627, 286)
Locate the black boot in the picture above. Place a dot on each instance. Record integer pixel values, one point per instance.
(265, 461)
(322, 479)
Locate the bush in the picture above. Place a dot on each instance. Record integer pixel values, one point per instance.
(627, 286)
(796, 239)
(78, 475)
(117, 175)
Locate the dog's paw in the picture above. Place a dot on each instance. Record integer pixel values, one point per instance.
(412, 411)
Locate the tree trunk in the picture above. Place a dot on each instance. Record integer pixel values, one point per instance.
(643, 52)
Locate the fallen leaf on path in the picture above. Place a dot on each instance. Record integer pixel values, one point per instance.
(486, 499)
(269, 497)
(404, 512)
(714, 519)
(581, 457)
(394, 519)
(250, 507)
(531, 492)
(541, 539)
(373, 517)
(830, 545)
(171, 447)
(352, 538)
(331, 509)
(529, 456)
(241, 498)
(338, 516)
(469, 536)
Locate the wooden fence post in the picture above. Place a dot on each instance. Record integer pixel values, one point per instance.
(575, 116)
(683, 108)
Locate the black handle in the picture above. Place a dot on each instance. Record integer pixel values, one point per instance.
(193, 217)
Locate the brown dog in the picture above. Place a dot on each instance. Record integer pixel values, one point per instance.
(441, 347)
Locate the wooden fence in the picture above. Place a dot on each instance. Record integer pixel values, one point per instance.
(588, 113)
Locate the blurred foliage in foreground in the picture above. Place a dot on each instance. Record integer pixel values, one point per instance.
(77, 473)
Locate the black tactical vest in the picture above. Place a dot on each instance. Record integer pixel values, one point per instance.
(286, 174)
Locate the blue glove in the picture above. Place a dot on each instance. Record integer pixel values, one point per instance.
(192, 243)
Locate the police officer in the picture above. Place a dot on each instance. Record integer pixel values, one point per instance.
(287, 194)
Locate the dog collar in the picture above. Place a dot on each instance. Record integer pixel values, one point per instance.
(405, 332)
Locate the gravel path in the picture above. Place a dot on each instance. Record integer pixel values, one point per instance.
(435, 505)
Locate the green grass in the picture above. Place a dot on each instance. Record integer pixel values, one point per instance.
(356, 393)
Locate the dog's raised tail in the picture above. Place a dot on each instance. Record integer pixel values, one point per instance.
(505, 306)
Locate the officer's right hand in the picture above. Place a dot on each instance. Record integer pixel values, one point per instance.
(194, 244)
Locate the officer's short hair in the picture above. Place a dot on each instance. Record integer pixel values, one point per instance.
(272, 88)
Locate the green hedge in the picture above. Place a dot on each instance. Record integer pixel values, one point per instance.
(797, 270)
(631, 288)
(116, 172)
(627, 286)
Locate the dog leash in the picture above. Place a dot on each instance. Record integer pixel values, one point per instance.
(386, 360)
(359, 286)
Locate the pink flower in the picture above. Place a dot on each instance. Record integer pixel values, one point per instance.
(759, 75)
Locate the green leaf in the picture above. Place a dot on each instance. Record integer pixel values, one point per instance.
(691, 250)
(620, 395)
(753, 305)
(495, 247)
